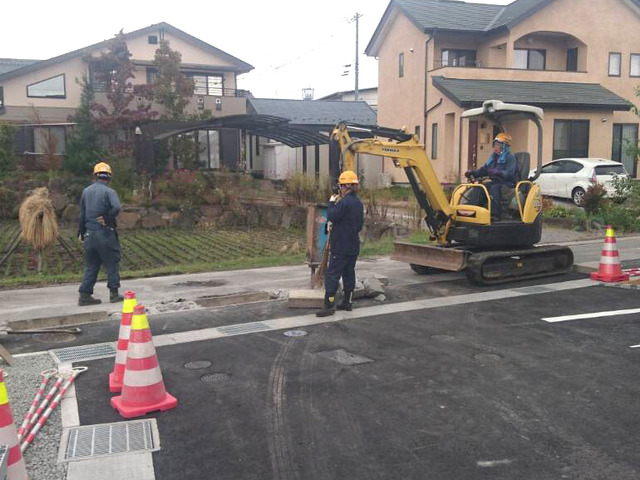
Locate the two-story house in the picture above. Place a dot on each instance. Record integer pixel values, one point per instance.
(42, 95)
(579, 60)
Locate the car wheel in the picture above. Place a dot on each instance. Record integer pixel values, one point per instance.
(578, 196)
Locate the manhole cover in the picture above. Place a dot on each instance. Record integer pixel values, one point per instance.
(215, 377)
(443, 338)
(295, 333)
(343, 357)
(487, 357)
(54, 337)
(197, 365)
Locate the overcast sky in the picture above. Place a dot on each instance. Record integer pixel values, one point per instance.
(293, 44)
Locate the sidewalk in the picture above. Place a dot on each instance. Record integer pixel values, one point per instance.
(60, 302)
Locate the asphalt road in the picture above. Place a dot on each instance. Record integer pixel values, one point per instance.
(469, 391)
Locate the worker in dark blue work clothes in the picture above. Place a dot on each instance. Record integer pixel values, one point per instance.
(346, 215)
(501, 168)
(99, 207)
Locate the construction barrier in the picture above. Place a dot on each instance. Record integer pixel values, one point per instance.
(115, 377)
(609, 269)
(46, 375)
(16, 469)
(143, 389)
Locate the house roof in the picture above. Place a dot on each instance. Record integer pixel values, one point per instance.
(471, 93)
(458, 16)
(9, 64)
(241, 67)
(338, 95)
(315, 112)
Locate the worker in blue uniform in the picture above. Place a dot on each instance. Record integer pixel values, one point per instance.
(99, 207)
(501, 168)
(346, 216)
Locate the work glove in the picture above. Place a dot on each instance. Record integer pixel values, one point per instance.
(334, 198)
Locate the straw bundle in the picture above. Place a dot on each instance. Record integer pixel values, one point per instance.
(38, 220)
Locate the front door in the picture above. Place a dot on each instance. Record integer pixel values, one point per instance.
(472, 162)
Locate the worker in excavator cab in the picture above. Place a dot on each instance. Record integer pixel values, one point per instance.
(501, 169)
(346, 214)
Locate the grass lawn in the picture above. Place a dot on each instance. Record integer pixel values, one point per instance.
(148, 253)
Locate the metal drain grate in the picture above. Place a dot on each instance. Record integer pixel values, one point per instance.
(93, 441)
(534, 289)
(343, 357)
(83, 353)
(244, 328)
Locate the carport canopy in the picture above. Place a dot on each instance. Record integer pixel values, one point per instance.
(267, 126)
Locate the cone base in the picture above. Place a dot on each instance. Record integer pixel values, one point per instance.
(609, 278)
(126, 411)
(115, 386)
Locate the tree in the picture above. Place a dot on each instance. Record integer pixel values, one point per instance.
(7, 147)
(83, 150)
(113, 72)
(633, 148)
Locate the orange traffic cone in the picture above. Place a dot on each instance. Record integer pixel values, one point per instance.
(115, 377)
(142, 386)
(609, 269)
(16, 469)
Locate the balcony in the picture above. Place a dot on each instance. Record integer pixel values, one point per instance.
(516, 74)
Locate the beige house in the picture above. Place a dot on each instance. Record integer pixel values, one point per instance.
(42, 95)
(368, 95)
(577, 59)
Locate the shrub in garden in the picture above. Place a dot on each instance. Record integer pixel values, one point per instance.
(594, 199)
(557, 212)
(621, 218)
(182, 185)
(8, 157)
(301, 188)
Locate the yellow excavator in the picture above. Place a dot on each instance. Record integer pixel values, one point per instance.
(463, 235)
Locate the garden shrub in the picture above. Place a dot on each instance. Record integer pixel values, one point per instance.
(594, 199)
(557, 211)
(301, 188)
(182, 185)
(621, 218)
(8, 159)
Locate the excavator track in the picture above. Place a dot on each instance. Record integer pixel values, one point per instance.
(496, 267)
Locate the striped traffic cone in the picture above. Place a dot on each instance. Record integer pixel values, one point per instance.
(115, 377)
(609, 269)
(16, 469)
(142, 386)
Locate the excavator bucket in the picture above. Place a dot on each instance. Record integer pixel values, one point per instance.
(432, 256)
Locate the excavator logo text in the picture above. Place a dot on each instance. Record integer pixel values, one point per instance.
(391, 150)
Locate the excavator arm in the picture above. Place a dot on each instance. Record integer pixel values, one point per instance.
(407, 154)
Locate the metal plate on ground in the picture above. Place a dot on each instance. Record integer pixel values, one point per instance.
(295, 333)
(83, 353)
(197, 365)
(244, 328)
(344, 357)
(53, 338)
(107, 439)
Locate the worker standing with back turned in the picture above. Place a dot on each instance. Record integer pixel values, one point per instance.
(346, 214)
(99, 207)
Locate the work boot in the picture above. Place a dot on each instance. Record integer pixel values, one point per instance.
(329, 306)
(114, 297)
(346, 301)
(86, 299)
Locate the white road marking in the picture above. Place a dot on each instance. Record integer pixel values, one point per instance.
(634, 346)
(493, 463)
(584, 316)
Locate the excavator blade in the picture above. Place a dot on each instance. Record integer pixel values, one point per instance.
(441, 258)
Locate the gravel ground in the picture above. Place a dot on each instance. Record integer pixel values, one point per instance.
(22, 382)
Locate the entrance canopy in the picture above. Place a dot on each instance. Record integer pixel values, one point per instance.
(267, 126)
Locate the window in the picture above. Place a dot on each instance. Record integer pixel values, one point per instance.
(401, 65)
(570, 138)
(572, 60)
(206, 84)
(152, 75)
(571, 167)
(610, 170)
(49, 140)
(634, 68)
(458, 58)
(615, 63)
(153, 39)
(50, 88)
(529, 59)
(434, 141)
(623, 136)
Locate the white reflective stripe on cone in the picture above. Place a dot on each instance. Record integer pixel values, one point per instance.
(141, 350)
(610, 247)
(610, 260)
(142, 378)
(125, 332)
(121, 356)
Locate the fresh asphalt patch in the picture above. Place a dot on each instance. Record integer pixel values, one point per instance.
(183, 321)
(483, 390)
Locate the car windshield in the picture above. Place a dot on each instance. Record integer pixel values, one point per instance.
(610, 170)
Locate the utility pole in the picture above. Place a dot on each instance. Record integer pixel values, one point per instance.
(355, 18)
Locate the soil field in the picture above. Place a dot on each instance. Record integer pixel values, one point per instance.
(151, 250)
